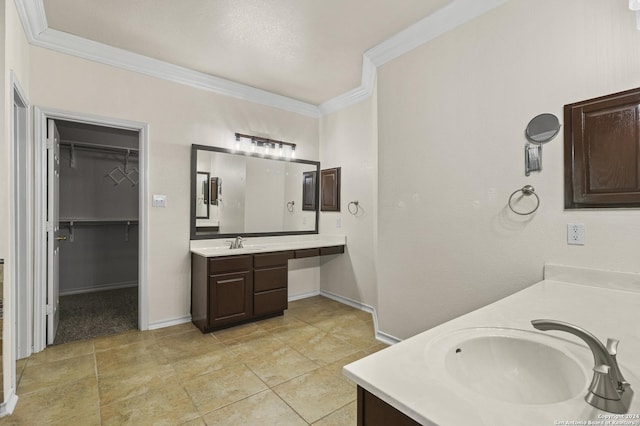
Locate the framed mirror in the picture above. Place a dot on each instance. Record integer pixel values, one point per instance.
(251, 194)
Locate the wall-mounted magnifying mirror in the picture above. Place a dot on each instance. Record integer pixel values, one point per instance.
(540, 130)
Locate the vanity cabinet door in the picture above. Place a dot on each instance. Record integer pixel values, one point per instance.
(230, 298)
(372, 411)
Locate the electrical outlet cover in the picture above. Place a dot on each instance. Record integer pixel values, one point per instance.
(575, 234)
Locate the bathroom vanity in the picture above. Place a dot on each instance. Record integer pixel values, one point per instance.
(235, 286)
(492, 367)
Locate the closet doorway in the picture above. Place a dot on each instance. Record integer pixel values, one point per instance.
(92, 205)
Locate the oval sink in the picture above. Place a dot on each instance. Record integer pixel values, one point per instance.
(515, 366)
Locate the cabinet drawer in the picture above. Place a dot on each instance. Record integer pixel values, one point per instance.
(269, 302)
(299, 254)
(272, 259)
(331, 250)
(219, 265)
(270, 278)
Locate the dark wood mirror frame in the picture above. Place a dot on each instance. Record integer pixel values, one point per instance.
(194, 160)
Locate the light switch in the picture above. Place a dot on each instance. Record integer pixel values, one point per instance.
(159, 200)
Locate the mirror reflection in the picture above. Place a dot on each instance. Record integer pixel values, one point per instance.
(250, 195)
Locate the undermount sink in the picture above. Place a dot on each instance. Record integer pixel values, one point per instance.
(511, 365)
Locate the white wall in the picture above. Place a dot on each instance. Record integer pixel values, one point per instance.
(178, 116)
(451, 119)
(349, 141)
(14, 57)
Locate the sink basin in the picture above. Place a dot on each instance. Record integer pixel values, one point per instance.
(514, 366)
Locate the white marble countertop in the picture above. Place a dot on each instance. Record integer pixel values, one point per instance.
(605, 303)
(219, 247)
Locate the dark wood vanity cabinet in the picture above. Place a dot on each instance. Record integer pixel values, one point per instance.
(231, 290)
(270, 278)
(221, 291)
(372, 411)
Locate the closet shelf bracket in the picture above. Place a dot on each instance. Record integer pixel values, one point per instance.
(71, 236)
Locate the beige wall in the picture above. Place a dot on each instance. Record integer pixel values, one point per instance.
(451, 119)
(349, 141)
(15, 58)
(178, 116)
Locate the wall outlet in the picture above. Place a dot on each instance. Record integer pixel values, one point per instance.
(159, 200)
(338, 223)
(575, 234)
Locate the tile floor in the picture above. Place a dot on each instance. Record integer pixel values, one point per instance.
(281, 371)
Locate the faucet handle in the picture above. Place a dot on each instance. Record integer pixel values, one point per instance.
(612, 346)
(602, 385)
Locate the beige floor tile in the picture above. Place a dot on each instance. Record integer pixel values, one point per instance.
(357, 333)
(375, 348)
(347, 415)
(247, 348)
(128, 359)
(184, 345)
(280, 365)
(176, 329)
(55, 404)
(315, 395)
(195, 422)
(55, 373)
(217, 358)
(60, 352)
(159, 406)
(279, 321)
(132, 383)
(122, 339)
(293, 334)
(214, 390)
(238, 331)
(335, 368)
(264, 408)
(324, 348)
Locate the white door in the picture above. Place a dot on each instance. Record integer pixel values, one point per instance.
(53, 230)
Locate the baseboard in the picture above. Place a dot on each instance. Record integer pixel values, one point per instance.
(103, 287)
(303, 295)
(380, 336)
(9, 404)
(169, 322)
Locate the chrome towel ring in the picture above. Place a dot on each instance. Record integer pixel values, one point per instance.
(526, 190)
(356, 207)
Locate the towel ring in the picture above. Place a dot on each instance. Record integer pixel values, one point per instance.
(526, 191)
(356, 207)
(290, 206)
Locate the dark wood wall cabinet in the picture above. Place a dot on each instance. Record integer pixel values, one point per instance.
(330, 190)
(372, 411)
(602, 152)
(231, 290)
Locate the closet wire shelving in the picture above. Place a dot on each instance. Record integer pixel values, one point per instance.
(71, 223)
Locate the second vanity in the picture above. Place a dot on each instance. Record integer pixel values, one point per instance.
(492, 367)
(239, 285)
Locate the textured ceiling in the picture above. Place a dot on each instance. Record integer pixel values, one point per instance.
(304, 49)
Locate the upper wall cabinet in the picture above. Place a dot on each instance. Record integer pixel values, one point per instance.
(330, 184)
(602, 152)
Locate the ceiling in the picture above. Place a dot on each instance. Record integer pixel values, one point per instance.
(307, 50)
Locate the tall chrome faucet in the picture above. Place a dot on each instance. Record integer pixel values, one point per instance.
(609, 391)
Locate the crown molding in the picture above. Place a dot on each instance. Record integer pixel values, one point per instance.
(456, 13)
(109, 55)
(451, 16)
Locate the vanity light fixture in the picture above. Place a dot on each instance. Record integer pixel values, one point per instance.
(269, 147)
(634, 5)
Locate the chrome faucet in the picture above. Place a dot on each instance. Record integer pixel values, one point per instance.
(609, 391)
(236, 243)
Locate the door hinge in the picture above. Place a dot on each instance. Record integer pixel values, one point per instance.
(49, 227)
(49, 309)
(49, 143)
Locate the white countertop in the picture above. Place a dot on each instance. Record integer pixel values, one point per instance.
(605, 303)
(219, 247)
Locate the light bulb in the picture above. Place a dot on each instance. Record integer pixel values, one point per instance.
(293, 152)
(634, 4)
(280, 151)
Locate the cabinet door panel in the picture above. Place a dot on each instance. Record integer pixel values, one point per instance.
(230, 298)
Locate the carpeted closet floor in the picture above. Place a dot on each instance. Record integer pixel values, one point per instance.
(89, 315)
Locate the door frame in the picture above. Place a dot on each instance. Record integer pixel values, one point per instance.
(41, 115)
